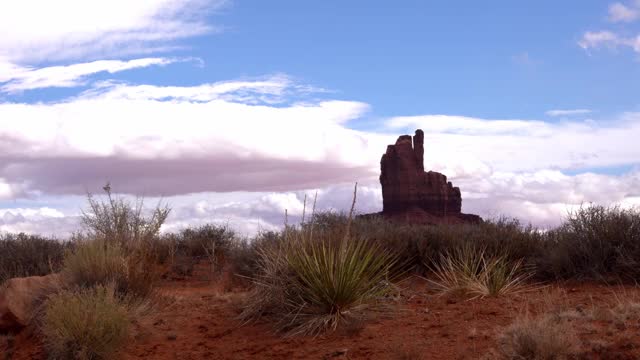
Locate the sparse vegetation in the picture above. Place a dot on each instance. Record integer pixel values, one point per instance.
(331, 272)
(85, 324)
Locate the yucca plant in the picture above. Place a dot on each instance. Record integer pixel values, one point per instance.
(311, 282)
(469, 270)
(314, 285)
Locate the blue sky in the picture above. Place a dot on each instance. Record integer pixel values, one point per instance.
(233, 110)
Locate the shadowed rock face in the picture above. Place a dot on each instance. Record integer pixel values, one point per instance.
(410, 192)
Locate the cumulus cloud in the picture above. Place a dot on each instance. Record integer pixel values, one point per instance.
(35, 30)
(596, 39)
(524, 145)
(18, 78)
(543, 198)
(44, 220)
(568, 112)
(546, 197)
(619, 12)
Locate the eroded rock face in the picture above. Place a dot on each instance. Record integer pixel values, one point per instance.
(408, 191)
(19, 298)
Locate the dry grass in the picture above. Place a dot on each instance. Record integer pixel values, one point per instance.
(85, 324)
(547, 337)
(96, 262)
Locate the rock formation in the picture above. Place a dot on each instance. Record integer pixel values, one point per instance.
(19, 299)
(411, 194)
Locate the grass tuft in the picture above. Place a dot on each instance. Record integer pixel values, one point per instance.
(546, 337)
(85, 324)
(469, 270)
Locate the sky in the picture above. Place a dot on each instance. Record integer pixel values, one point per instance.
(232, 111)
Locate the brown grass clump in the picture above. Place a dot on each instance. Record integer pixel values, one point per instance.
(85, 324)
(547, 337)
(99, 263)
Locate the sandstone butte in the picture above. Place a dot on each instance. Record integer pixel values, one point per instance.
(409, 194)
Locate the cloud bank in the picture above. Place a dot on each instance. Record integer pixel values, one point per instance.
(267, 142)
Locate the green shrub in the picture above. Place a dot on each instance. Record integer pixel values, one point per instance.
(201, 241)
(244, 254)
(85, 324)
(314, 284)
(29, 255)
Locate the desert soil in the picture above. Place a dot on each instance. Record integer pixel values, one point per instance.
(199, 321)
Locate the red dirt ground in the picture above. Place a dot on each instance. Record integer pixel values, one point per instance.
(200, 323)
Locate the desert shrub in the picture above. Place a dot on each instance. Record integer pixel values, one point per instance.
(418, 246)
(546, 337)
(244, 254)
(210, 242)
(29, 255)
(119, 220)
(206, 239)
(313, 282)
(470, 270)
(85, 324)
(100, 263)
(594, 242)
(121, 246)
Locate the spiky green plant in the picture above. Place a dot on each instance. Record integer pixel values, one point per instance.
(314, 285)
(313, 279)
(468, 269)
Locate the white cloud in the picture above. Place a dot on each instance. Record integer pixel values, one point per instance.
(543, 198)
(39, 30)
(268, 90)
(568, 112)
(45, 220)
(197, 139)
(17, 78)
(619, 12)
(223, 137)
(525, 145)
(596, 39)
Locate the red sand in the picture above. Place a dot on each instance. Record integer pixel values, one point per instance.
(200, 324)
